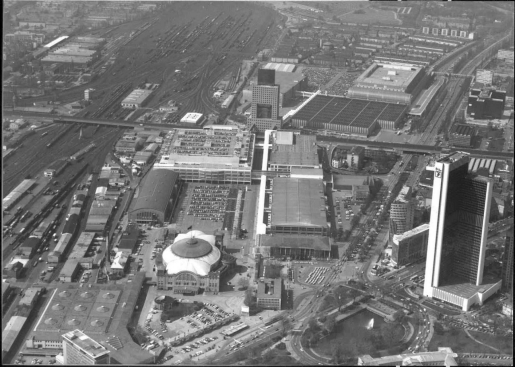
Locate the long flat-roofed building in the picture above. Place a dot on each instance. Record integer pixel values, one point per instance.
(81, 349)
(215, 154)
(298, 207)
(295, 247)
(136, 98)
(102, 311)
(388, 83)
(158, 196)
(353, 116)
(290, 150)
(442, 357)
(458, 232)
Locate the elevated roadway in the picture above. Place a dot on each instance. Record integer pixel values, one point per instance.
(96, 121)
(401, 147)
(412, 148)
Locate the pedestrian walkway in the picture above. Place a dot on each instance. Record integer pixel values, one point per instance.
(477, 341)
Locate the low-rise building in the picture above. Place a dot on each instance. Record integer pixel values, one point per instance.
(136, 99)
(443, 357)
(461, 135)
(269, 294)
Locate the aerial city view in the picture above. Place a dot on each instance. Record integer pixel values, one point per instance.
(257, 183)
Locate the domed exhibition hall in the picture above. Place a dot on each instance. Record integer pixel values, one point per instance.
(191, 264)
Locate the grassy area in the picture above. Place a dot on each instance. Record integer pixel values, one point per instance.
(178, 310)
(503, 343)
(372, 16)
(460, 342)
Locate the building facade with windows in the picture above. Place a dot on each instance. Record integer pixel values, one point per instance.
(78, 348)
(458, 233)
(157, 197)
(402, 212)
(265, 102)
(410, 246)
(269, 294)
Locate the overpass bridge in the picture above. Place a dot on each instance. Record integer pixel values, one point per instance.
(95, 121)
(413, 148)
(451, 75)
(121, 123)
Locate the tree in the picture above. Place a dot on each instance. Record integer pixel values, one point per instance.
(354, 293)
(243, 283)
(313, 325)
(287, 326)
(339, 296)
(330, 324)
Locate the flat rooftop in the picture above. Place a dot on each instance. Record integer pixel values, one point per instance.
(264, 289)
(298, 202)
(399, 76)
(468, 290)
(349, 112)
(303, 151)
(412, 232)
(425, 97)
(101, 311)
(215, 146)
(137, 96)
(85, 343)
(286, 80)
(295, 241)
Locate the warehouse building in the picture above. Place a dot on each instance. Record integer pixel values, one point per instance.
(55, 42)
(289, 215)
(157, 198)
(389, 83)
(100, 310)
(67, 62)
(193, 119)
(136, 99)
(353, 116)
(214, 154)
(461, 135)
(291, 150)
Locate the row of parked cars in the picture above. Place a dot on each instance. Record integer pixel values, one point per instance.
(197, 344)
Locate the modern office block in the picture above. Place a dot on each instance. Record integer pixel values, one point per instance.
(78, 348)
(402, 212)
(458, 234)
(265, 102)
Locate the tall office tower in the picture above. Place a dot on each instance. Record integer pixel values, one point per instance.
(507, 264)
(402, 212)
(457, 235)
(78, 348)
(265, 102)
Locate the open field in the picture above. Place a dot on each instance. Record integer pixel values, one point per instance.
(372, 16)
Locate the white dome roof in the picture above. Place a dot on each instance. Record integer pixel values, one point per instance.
(199, 265)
